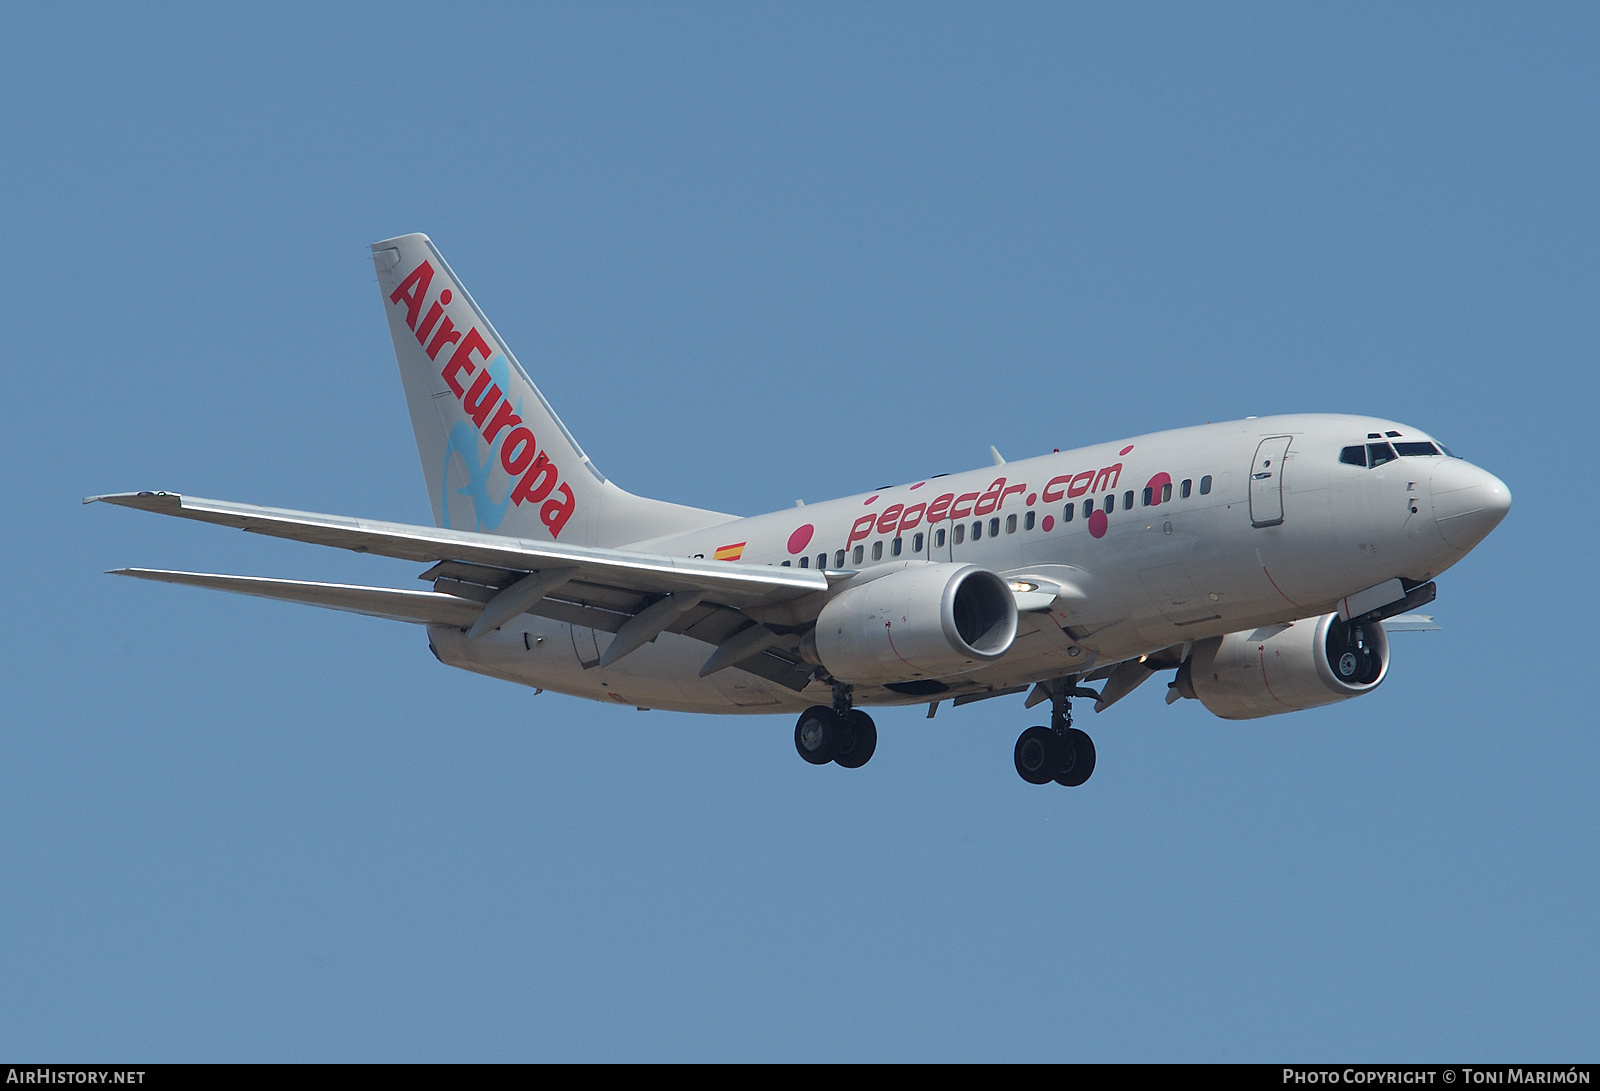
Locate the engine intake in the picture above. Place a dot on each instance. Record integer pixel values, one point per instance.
(929, 621)
(1317, 661)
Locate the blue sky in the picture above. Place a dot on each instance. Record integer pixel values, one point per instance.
(753, 254)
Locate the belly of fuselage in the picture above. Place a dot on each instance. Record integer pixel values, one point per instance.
(664, 674)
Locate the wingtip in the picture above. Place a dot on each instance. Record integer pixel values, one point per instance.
(148, 499)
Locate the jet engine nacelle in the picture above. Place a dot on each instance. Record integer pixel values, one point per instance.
(1312, 662)
(928, 621)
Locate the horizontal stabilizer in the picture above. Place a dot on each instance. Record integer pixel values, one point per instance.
(419, 607)
(1411, 623)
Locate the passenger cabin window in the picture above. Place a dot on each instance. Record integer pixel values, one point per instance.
(1166, 492)
(1183, 490)
(958, 534)
(1149, 496)
(1111, 503)
(822, 560)
(1088, 508)
(1205, 485)
(1353, 456)
(977, 530)
(1027, 521)
(938, 538)
(805, 562)
(786, 563)
(916, 542)
(855, 554)
(1066, 512)
(1411, 450)
(838, 558)
(1379, 453)
(877, 550)
(994, 527)
(894, 547)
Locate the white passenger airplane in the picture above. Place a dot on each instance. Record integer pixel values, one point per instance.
(1256, 560)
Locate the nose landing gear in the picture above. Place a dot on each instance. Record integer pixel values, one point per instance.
(1059, 752)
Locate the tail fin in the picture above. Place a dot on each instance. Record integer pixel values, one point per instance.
(495, 455)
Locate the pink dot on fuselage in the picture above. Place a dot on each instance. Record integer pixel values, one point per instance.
(1125, 450)
(1032, 496)
(1049, 523)
(801, 538)
(1097, 523)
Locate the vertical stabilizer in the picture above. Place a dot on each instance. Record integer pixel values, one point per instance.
(495, 455)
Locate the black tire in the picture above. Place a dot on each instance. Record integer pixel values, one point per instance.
(1077, 764)
(861, 739)
(817, 734)
(1038, 755)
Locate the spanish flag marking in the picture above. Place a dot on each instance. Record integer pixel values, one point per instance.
(729, 552)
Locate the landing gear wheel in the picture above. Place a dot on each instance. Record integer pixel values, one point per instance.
(818, 733)
(861, 739)
(1077, 763)
(1038, 755)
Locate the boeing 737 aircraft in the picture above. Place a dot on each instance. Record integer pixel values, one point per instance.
(1256, 561)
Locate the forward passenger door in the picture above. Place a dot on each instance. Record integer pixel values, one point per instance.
(1266, 482)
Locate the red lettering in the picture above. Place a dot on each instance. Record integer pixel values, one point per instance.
(940, 507)
(558, 510)
(412, 291)
(954, 514)
(504, 416)
(991, 499)
(480, 399)
(890, 516)
(515, 463)
(447, 335)
(427, 323)
(1076, 489)
(911, 518)
(1008, 492)
(537, 482)
(461, 359)
(862, 528)
(1051, 494)
(1107, 478)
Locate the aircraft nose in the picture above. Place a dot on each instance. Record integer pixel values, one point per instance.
(1467, 502)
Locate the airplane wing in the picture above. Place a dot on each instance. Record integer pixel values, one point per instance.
(482, 581)
(727, 583)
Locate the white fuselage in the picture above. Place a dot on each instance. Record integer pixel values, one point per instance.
(1154, 541)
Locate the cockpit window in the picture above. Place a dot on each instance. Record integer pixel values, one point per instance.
(1379, 453)
(1408, 450)
(1354, 456)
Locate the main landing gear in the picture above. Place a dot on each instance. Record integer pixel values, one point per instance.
(843, 735)
(1059, 752)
